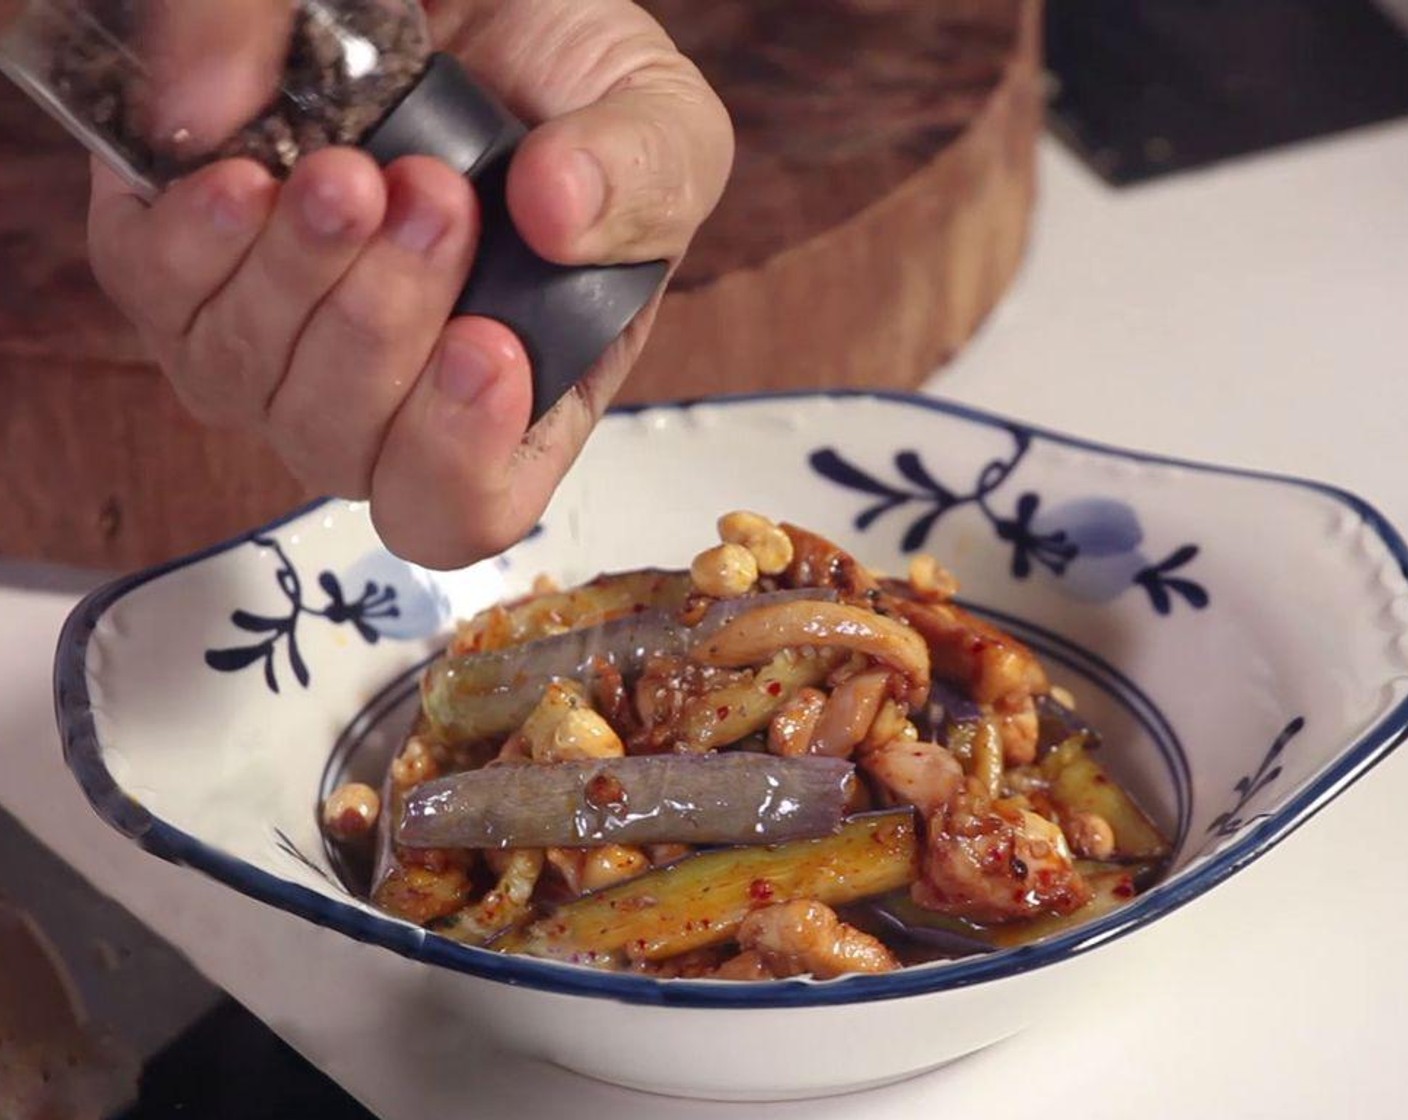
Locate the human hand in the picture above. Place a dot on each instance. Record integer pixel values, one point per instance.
(314, 312)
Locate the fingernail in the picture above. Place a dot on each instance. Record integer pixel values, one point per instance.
(324, 210)
(464, 371)
(228, 212)
(589, 179)
(415, 224)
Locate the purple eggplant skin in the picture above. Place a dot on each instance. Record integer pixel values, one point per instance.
(476, 696)
(735, 797)
(947, 707)
(1057, 723)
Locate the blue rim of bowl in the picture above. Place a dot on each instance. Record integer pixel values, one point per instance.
(83, 755)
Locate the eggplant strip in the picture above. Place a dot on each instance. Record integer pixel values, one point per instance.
(734, 798)
(477, 696)
(1111, 887)
(1077, 783)
(702, 900)
(541, 616)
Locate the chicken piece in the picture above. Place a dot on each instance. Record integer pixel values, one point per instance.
(507, 903)
(995, 669)
(800, 937)
(849, 712)
(697, 964)
(593, 869)
(992, 861)
(817, 562)
(790, 732)
(565, 728)
(747, 965)
(424, 886)
(925, 775)
(1018, 726)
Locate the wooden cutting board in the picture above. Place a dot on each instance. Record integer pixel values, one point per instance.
(878, 210)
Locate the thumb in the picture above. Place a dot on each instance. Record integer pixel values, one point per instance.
(213, 64)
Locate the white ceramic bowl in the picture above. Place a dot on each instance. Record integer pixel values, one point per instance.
(1239, 639)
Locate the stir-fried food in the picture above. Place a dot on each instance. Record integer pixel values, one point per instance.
(774, 764)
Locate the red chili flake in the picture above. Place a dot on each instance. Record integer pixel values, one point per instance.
(605, 790)
(774, 688)
(1101, 779)
(760, 890)
(721, 712)
(1124, 888)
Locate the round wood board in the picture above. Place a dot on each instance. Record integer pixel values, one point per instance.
(878, 210)
(880, 198)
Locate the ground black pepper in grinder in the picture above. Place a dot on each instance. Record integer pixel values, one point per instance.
(357, 72)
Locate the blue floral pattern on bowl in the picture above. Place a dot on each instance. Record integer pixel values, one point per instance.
(1094, 542)
(1110, 557)
(393, 602)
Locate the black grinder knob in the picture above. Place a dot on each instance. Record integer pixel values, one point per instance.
(566, 317)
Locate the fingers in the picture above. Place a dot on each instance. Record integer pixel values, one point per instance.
(456, 481)
(213, 65)
(442, 492)
(636, 148)
(315, 312)
(306, 313)
(242, 341)
(360, 353)
(629, 178)
(161, 263)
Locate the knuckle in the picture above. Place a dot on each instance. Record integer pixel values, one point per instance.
(664, 198)
(165, 264)
(216, 376)
(373, 314)
(317, 447)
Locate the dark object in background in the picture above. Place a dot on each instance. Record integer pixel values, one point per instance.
(230, 1066)
(1150, 87)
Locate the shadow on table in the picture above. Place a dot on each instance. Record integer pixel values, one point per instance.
(52, 579)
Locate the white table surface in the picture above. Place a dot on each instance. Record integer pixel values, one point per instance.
(1254, 315)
